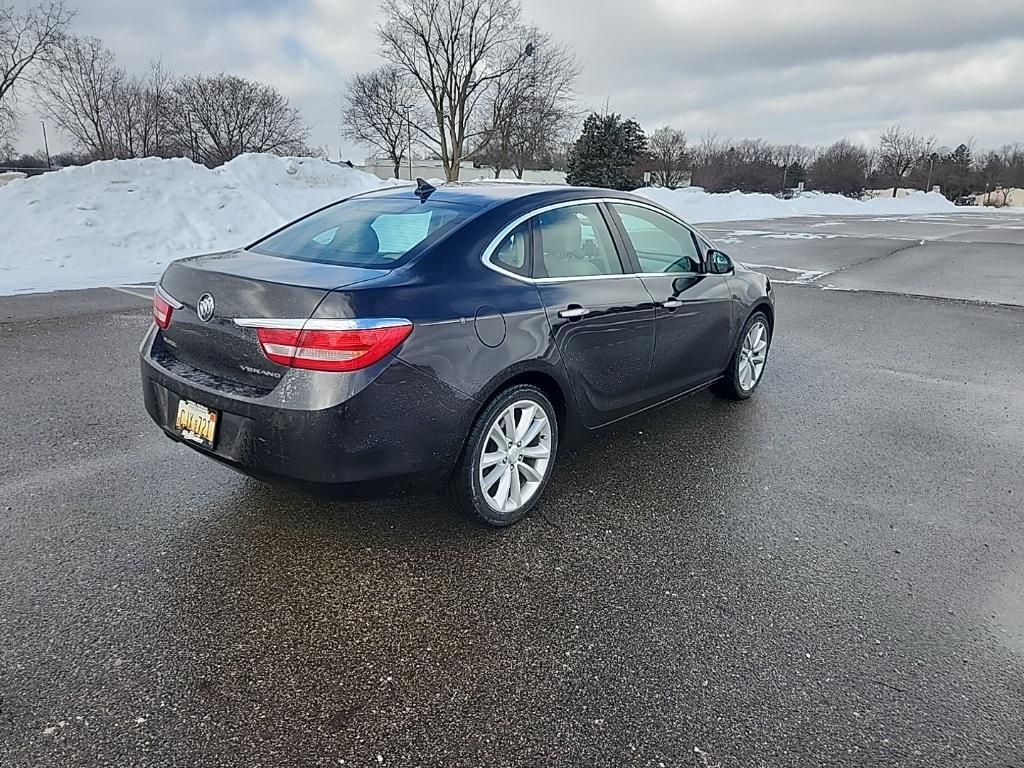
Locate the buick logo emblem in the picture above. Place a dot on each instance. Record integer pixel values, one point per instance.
(204, 308)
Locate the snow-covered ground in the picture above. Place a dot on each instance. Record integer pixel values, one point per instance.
(698, 206)
(121, 221)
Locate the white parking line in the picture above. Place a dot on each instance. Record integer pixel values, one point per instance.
(146, 296)
(804, 276)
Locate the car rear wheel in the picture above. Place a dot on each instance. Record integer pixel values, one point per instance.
(508, 457)
(748, 359)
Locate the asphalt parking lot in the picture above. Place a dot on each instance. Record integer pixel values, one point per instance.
(974, 255)
(829, 574)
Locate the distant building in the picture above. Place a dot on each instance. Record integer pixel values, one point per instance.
(685, 179)
(385, 169)
(900, 192)
(1001, 197)
(533, 177)
(434, 169)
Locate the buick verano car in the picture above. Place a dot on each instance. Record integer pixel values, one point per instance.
(449, 338)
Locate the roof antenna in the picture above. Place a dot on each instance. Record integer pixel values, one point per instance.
(424, 189)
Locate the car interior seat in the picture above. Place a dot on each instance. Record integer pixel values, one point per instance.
(562, 239)
(356, 239)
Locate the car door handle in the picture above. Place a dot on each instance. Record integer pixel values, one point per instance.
(672, 304)
(574, 312)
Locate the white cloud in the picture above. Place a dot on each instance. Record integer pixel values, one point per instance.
(787, 70)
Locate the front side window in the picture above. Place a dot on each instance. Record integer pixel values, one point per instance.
(575, 242)
(364, 232)
(661, 244)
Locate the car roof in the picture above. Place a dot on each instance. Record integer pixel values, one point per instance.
(487, 194)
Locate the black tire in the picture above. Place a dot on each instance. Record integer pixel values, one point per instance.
(729, 385)
(464, 492)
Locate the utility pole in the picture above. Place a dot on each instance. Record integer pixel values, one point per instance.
(931, 165)
(408, 125)
(530, 52)
(46, 144)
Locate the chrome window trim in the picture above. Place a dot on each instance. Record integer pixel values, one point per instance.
(173, 302)
(492, 246)
(339, 324)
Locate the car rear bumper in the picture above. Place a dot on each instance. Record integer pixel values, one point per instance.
(402, 431)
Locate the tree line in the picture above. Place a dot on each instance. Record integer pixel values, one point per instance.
(463, 81)
(615, 152)
(108, 113)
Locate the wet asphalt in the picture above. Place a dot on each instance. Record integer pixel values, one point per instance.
(829, 574)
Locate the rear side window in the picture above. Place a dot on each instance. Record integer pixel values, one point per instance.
(365, 232)
(661, 244)
(511, 252)
(575, 242)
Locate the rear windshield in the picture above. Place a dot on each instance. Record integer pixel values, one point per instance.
(365, 232)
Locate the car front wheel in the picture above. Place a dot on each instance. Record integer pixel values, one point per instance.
(748, 359)
(508, 457)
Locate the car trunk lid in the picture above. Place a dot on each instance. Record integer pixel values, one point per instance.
(243, 285)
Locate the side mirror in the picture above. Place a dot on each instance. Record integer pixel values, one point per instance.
(719, 263)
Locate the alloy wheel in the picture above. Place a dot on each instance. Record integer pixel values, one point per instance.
(753, 355)
(516, 456)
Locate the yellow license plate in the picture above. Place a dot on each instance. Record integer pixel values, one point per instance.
(196, 423)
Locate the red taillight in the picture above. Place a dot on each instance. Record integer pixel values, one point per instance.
(162, 311)
(319, 349)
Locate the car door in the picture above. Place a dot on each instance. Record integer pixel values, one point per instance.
(601, 316)
(694, 308)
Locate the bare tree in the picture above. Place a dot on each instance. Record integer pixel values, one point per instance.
(709, 146)
(750, 165)
(106, 113)
(78, 91)
(708, 155)
(376, 111)
(26, 39)
(841, 168)
(530, 107)
(794, 154)
(8, 126)
(454, 49)
(755, 151)
(900, 152)
(140, 123)
(109, 114)
(1011, 165)
(216, 118)
(670, 157)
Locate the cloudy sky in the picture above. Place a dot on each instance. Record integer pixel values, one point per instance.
(807, 71)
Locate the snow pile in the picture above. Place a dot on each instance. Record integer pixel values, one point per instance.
(695, 205)
(7, 177)
(121, 221)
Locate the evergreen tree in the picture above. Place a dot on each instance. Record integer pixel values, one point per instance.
(955, 172)
(961, 156)
(608, 153)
